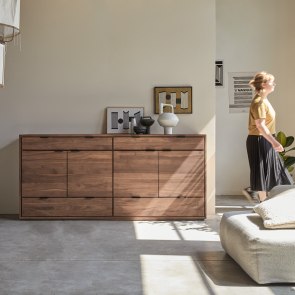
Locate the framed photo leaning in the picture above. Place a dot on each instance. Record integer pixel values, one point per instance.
(119, 118)
(179, 97)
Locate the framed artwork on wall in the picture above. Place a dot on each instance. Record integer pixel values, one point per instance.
(119, 118)
(240, 92)
(179, 97)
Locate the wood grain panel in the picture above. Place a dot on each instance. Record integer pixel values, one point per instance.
(154, 207)
(90, 174)
(159, 143)
(66, 143)
(44, 174)
(135, 174)
(181, 173)
(66, 207)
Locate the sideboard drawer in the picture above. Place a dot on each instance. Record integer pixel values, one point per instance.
(66, 207)
(171, 143)
(66, 143)
(155, 207)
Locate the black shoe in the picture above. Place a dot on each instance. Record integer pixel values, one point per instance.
(252, 196)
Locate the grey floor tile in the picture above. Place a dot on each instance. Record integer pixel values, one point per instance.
(93, 257)
(70, 277)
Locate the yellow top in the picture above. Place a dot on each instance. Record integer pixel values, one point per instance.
(261, 108)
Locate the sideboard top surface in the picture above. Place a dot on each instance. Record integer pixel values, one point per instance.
(113, 135)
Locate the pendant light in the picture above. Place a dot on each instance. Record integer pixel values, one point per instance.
(9, 28)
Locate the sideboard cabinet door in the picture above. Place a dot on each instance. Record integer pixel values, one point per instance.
(90, 174)
(182, 174)
(135, 174)
(44, 174)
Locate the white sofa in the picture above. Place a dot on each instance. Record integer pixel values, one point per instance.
(266, 255)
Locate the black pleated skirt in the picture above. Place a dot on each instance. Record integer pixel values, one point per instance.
(266, 166)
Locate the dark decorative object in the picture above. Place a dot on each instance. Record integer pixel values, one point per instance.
(140, 129)
(144, 125)
(218, 73)
(147, 122)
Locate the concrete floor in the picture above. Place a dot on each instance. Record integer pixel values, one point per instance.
(123, 258)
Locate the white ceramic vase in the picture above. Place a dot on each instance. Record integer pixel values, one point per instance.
(167, 120)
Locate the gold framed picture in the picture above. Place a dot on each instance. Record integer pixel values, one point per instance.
(179, 97)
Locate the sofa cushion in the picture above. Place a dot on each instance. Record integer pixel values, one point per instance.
(278, 212)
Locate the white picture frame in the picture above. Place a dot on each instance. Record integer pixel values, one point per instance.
(240, 92)
(118, 118)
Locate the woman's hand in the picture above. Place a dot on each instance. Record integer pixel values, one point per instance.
(260, 124)
(278, 147)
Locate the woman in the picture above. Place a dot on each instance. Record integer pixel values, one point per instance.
(266, 167)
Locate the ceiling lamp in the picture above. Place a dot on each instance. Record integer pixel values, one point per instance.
(9, 28)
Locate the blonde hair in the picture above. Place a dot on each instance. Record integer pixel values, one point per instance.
(259, 79)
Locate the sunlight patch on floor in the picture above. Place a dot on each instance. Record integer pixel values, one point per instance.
(174, 231)
(155, 230)
(171, 275)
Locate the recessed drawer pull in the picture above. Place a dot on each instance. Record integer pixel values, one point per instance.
(44, 136)
(88, 198)
(43, 198)
(88, 136)
(135, 197)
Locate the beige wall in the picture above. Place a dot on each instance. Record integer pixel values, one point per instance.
(252, 35)
(79, 56)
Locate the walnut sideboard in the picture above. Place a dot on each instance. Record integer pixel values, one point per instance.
(123, 177)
